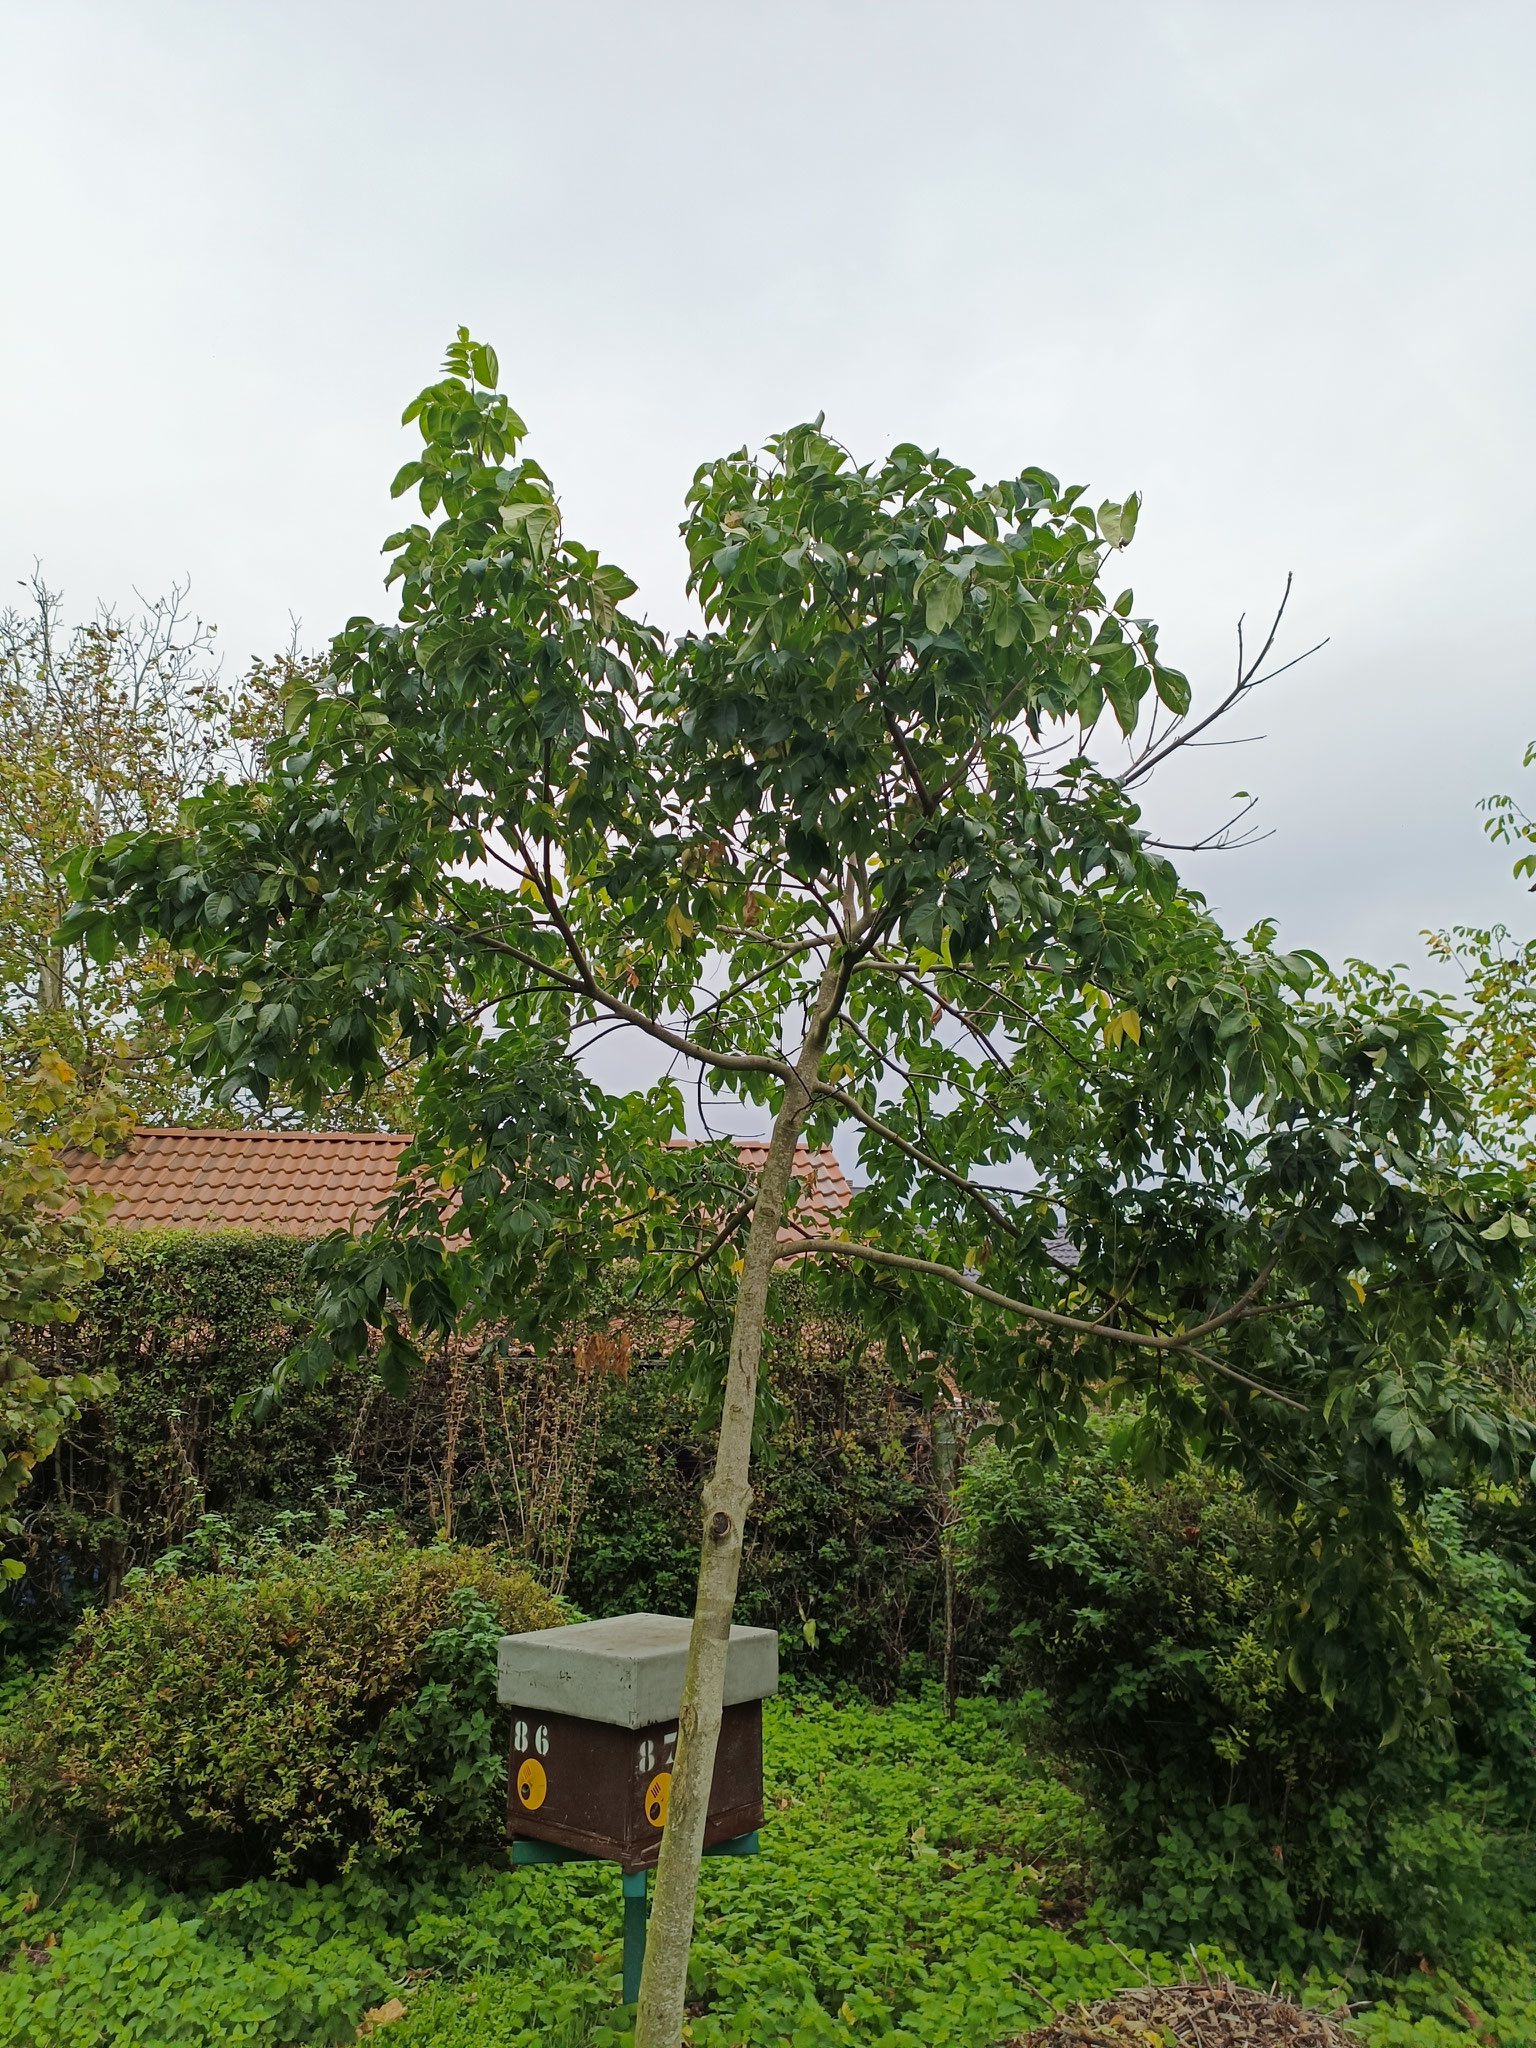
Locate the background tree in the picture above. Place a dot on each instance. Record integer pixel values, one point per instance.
(1497, 1040)
(49, 1252)
(108, 727)
(104, 728)
(845, 852)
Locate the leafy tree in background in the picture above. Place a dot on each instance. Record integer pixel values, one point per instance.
(49, 1238)
(108, 727)
(1497, 1043)
(843, 851)
(104, 727)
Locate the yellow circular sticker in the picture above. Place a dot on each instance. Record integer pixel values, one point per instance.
(657, 1795)
(532, 1784)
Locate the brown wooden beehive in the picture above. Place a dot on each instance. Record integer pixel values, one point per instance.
(594, 1733)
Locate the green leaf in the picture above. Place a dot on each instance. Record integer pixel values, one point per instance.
(1004, 621)
(1172, 688)
(297, 705)
(946, 594)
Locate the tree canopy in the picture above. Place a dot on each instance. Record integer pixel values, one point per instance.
(845, 850)
(106, 727)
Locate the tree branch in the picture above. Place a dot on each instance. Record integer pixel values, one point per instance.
(732, 1062)
(1184, 1342)
(918, 1157)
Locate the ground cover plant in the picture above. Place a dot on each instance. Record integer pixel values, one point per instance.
(923, 1885)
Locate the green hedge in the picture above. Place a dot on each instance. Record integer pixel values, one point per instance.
(588, 1463)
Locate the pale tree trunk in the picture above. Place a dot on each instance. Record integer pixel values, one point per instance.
(727, 1498)
(947, 1455)
(50, 981)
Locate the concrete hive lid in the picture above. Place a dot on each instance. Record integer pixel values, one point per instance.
(627, 1670)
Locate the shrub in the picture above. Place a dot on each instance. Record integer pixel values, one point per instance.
(286, 1710)
(1241, 1809)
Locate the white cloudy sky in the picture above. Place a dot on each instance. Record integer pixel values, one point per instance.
(1271, 265)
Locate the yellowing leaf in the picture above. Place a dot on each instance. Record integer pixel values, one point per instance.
(383, 2015)
(1124, 1024)
(1359, 1290)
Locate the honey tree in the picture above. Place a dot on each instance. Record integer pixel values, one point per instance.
(845, 852)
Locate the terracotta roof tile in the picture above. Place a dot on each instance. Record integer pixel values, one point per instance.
(303, 1183)
(824, 1191)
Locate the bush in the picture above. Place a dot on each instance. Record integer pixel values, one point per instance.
(286, 1710)
(1240, 1809)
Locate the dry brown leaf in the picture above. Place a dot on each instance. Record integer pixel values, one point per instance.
(382, 2016)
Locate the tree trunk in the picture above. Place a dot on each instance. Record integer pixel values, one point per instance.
(50, 988)
(727, 1498)
(946, 1459)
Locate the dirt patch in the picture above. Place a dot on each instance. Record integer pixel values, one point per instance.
(1213, 2014)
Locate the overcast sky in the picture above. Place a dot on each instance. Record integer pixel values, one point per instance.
(1269, 265)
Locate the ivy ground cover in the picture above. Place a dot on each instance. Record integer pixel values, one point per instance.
(922, 1886)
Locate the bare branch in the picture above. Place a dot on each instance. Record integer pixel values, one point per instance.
(1220, 840)
(1248, 680)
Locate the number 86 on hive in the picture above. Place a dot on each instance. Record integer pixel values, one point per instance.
(532, 1781)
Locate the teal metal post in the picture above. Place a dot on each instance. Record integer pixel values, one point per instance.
(637, 1910)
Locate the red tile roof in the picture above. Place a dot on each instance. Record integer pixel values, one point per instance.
(824, 1190)
(303, 1183)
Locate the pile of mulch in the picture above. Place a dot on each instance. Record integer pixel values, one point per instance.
(1214, 2013)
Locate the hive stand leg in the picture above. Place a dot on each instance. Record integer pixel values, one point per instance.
(637, 1908)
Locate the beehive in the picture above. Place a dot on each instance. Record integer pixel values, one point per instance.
(594, 1733)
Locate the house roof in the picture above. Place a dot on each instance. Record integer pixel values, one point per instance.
(303, 1183)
